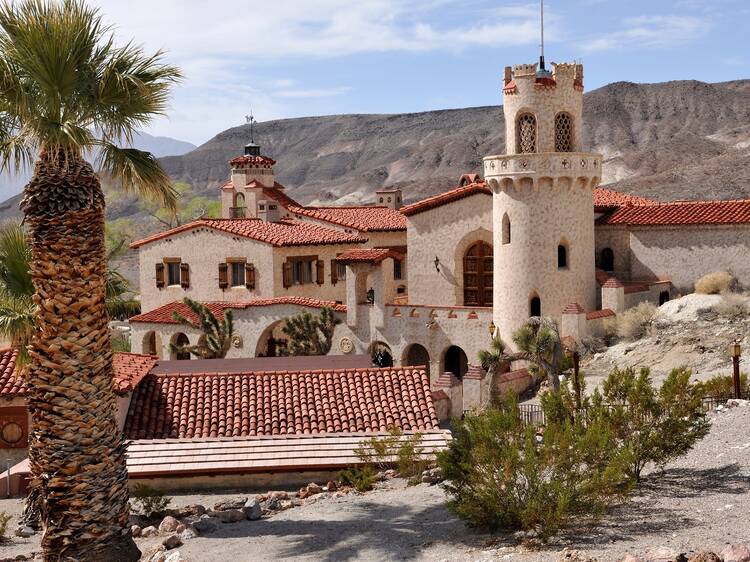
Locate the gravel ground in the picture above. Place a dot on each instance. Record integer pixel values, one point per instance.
(700, 501)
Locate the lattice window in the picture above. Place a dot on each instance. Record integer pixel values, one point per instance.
(563, 132)
(526, 133)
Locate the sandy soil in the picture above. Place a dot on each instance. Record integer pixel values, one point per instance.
(700, 501)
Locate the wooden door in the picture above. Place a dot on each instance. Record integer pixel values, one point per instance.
(478, 267)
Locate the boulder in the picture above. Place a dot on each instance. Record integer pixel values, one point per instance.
(285, 504)
(135, 530)
(736, 553)
(704, 556)
(273, 505)
(154, 553)
(331, 486)
(229, 515)
(278, 495)
(252, 509)
(172, 541)
(303, 494)
(149, 531)
(193, 510)
(228, 505)
(24, 531)
(174, 557)
(314, 488)
(663, 554)
(168, 525)
(206, 524)
(189, 532)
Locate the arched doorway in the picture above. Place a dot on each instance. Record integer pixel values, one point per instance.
(417, 355)
(455, 361)
(179, 340)
(663, 297)
(272, 342)
(607, 259)
(381, 354)
(148, 346)
(478, 267)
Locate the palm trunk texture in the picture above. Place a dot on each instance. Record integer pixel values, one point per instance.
(76, 451)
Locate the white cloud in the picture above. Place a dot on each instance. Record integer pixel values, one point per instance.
(650, 31)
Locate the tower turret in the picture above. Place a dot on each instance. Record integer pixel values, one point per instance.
(543, 209)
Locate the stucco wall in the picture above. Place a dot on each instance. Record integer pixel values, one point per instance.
(616, 238)
(686, 253)
(445, 232)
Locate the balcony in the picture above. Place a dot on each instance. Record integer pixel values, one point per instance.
(237, 212)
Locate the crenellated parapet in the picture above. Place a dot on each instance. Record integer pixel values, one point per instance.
(552, 169)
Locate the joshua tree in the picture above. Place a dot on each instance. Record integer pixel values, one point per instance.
(538, 341)
(310, 335)
(217, 334)
(67, 91)
(492, 361)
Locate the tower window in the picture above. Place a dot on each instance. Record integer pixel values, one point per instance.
(535, 306)
(562, 256)
(563, 132)
(526, 133)
(506, 229)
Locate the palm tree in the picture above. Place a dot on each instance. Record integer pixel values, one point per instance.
(310, 335)
(17, 308)
(67, 91)
(217, 334)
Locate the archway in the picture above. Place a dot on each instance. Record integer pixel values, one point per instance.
(148, 346)
(535, 306)
(478, 269)
(381, 354)
(179, 340)
(607, 259)
(455, 361)
(417, 355)
(663, 297)
(272, 342)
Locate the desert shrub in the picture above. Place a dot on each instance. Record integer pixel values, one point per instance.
(4, 518)
(716, 283)
(722, 387)
(150, 500)
(500, 476)
(731, 306)
(590, 345)
(394, 448)
(361, 478)
(633, 323)
(120, 343)
(650, 426)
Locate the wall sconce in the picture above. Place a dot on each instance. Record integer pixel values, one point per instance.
(492, 329)
(437, 264)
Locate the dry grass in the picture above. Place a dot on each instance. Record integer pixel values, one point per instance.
(732, 306)
(632, 324)
(716, 283)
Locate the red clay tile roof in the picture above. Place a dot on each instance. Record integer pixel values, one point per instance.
(607, 199)
(547, 81)
(601, 276)
(682, 213)
(280, 403)
(164, 314)
(596, 314)
(10, 384)
(368, 255)
(446, 197)
(249, 160)
(364, 219)
(287, 232)
(510, 87)
(129, 370)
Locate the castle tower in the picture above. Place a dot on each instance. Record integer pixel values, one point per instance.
(250, 173)
(543, 208)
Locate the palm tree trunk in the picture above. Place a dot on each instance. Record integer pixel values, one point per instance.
(76, 451)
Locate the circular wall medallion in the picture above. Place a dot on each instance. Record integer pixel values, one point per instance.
(346, 345)
(504, 164)
(237, 341)
(11, 433)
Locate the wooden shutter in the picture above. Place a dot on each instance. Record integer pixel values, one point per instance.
(184, 275)
(159, 275)
(334, 272)
(223, 276)
(320, 272)
(286, 270)
(250, 276)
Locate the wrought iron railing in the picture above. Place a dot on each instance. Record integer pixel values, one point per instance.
(237, 212)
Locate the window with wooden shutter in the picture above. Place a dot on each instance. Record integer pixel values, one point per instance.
(250, 276)
(287, 274)
(320, 272)
(159, 275)
(184, 275)
(223, 276)
(334, 272)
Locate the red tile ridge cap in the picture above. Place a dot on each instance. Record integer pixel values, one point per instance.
(613, 283)
(455, 194)
(573, 308)
(603, 313)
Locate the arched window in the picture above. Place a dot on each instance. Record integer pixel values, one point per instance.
(562, 256)
(607, 259)
(563, 132)
(506, 229)
(526, 133)
(535, 306)
(179, 341)
(455, 361)
(239, 200)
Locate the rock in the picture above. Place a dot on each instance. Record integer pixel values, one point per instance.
(252, 509)
(193, 510)
(24, 531)
(571, 555)
(154, 554)
(331, 486)
(136, 519)
(704, 556)
(168, 525)
(229, 515)
(285, 504)
(206, 524)
(180, 528)
(296, 502)
(189, 532)
(390, 473)
(273, 505)
(314, 488)
(630, 558)
(172, 541)
(736, 553)
(135, 530)
(432, 476)
(278, 496)
(737, 403)
(303, 494)
(149, 531)
(662, 554)
(174, 557)
(229, 505)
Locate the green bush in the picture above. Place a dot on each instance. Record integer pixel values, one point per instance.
(4, 518)
(722, 387)
(650, 426)
(361, 478)
(500, 476)
(150, 500)
(394, 449)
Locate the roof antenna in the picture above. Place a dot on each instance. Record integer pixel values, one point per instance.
(251, 149)
(251, 121)
(541, 56)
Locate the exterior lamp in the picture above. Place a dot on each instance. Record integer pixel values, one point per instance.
(371, 296)
(492, 328)
(736, 352)
(437, 264)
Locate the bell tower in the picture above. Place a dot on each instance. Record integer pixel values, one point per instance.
(543, 208)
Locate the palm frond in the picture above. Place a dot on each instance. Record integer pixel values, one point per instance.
(15, 257)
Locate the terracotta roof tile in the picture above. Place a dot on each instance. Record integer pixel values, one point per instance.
(682, 213)
(446, 197)
(164, 314)
(250, 160)
(363, 219)
(596, 314)
(10, 384)
(280, 403)
(612, 283)
(573, 308)
(607, 199)
(368, 255)
(287, 232)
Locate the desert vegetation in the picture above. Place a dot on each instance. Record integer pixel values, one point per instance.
(310, 334)
(716, 283)
(216, 338)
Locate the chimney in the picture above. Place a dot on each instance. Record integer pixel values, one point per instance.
(268, 210)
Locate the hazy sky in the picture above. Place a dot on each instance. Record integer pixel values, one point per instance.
(291, 58)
